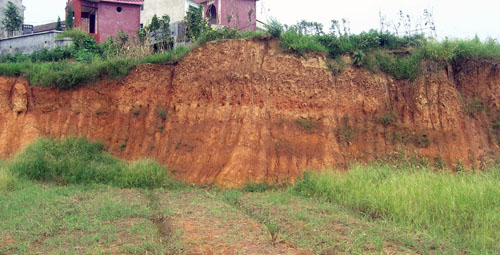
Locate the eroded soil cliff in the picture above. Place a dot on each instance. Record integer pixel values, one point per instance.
(241, 110)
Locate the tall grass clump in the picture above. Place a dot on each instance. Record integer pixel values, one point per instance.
(169, 56)
(293, 42)
(7, 180)
(460, 208)
(76, 160)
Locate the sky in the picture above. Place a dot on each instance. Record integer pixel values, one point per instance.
(453, 18)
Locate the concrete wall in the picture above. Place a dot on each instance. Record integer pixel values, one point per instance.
(3, 6)
(28, 44)
(175, 9)
(109, 20)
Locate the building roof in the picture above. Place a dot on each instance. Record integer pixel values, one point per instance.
(137, 2)
(47, 27)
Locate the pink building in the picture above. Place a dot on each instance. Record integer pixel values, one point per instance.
(238, 14)
(103, 18)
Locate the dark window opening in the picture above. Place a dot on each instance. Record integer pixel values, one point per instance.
(119, 9)
(212, 14)
(92, 24)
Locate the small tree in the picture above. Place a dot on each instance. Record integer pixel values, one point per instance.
(196, 25)
(69, 18)
(12, 21)
(59, 25)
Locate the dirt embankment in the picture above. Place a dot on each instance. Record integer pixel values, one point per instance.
(238, 110)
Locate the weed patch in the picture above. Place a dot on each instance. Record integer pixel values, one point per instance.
(76, 160)
(460, 208)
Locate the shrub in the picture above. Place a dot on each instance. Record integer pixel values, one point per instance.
(293, 42)
(218, 34)
(144, 174)
(76, 160)
(75, 34)
(274, 28)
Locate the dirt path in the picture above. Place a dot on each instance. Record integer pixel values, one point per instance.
(210, 226)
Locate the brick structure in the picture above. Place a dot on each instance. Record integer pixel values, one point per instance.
(239, 14)
(103, 18)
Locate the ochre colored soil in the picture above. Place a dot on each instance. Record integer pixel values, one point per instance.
(243, 110)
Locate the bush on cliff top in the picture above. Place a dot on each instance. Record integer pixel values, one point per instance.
(76, 160)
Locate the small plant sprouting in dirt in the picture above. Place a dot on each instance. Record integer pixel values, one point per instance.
(459, 167)
(181, 144)
(387, 119)
(274, 232)
(345, 132)
(421, 140)
(439, 163)
(474, 107)
(307, 125)
(100, 111)
(161, 127)
(162, 113)
(123, 145)
(335, 65)
(136, 111)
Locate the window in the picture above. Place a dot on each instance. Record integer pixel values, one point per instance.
(119, 9)
(142, 7)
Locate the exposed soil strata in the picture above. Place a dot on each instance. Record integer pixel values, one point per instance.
(243, 110)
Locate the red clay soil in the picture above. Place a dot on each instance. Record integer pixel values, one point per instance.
(243, 110)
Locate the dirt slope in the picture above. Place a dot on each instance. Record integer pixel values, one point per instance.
(241, 109)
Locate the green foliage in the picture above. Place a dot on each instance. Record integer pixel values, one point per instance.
(170, 56)
(12, 20)
(401, 67)
(304, 27)
(162, 113)
(293, 42)
(219, 34)
(52, 55)
(307, 124)
(7, 180)
(359, 57)
(474, 107)
(196, 25)
(258, 187)
(58, 24)
(345, 131)
(387, 119)
(69, 18)
(76, 34)
(76, 160)
(461, 208)
(274, 28)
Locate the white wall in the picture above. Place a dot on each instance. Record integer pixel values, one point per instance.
(176, 9)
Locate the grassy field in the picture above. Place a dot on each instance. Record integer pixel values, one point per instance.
(66, 208)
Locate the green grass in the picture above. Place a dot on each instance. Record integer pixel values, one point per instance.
(76, 160)
(299, 44)
(7, 180)
(461, 209)
(77, 219)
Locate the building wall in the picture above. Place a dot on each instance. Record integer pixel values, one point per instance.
(109, 20)
(27, 44)
(173, 8)
(238, 14)
(3, 6)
